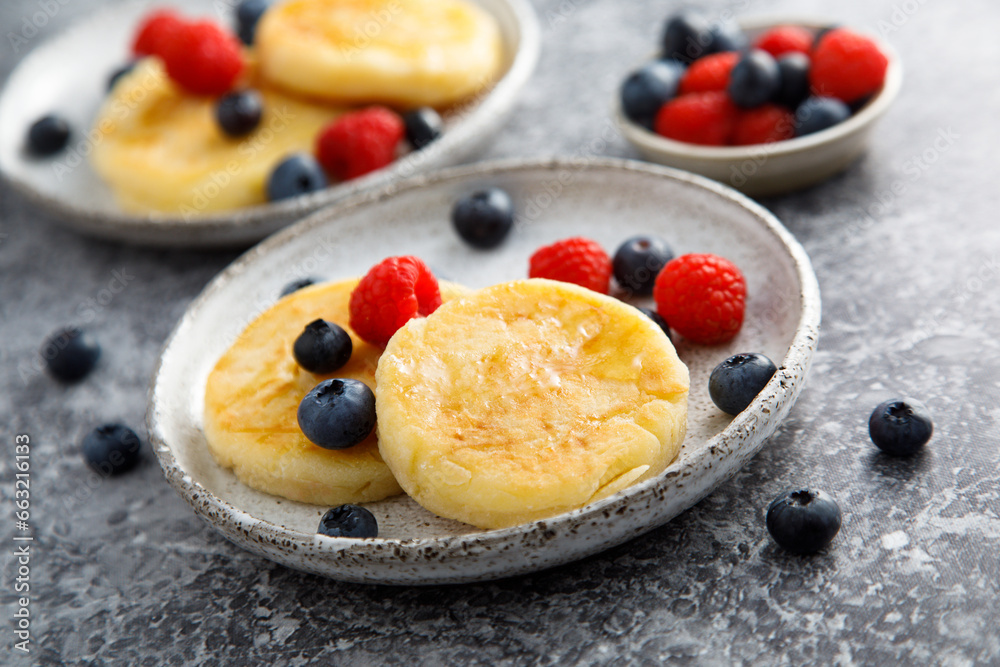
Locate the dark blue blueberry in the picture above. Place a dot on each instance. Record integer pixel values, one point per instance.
(295, 175)
(348, 521)
(819, 113)
(660, 322)
(484, 218)
(735, 382)
(111, 449)
(422, 126)
(239, 113)
(803, 521)
(48, 135)
(337, 414)
(687, 36)
(638, 261)
(296, 285)
(322, 347)
(649, 88)
(248, 13)
(71, 353)
(118, 74)
(900, 427)
(727, 36)
(754, 80)
(794, 73)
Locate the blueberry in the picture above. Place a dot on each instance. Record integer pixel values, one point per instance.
(649, 88)
(48, 135)
(348, 521)
(248, 13)
(295, 175)
(71, 353)
(296, 285)
(111, 449)
(794, 73)
(754, 80)
(900, 427)
(484, 218)
(322, 347)
(803, 521)
(118, 74)
(638, 261)
(727, 36)
(687, 36)
(239, 113)
(337, 414)
(660, 322)
(819, 113)
(735, 382)
(422, 126)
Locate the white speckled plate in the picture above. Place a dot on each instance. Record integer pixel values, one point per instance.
(607, 200)
(68, 74)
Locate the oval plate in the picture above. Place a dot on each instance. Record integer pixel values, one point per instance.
(607, 200)
(68, 74)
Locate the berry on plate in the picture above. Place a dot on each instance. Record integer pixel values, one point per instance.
(322, 347)
(709, 73)
(71, 353)
(348, 521)
(638, 261)
(295, 175)
(338, 413)
(202, 58)
(393, 292)
(794, 71)
(296, 285)
(422, 126)
(735, 382)
(239, 113)
(48, 135)
(649, 88)
(900, 427)
(702, 296)
(155, 31)
(660, 322)
(754, 80)
(687, 36)
(248, 13)
(576, 260)
(698, 118)
(847, 66)
(784, 39)
(484, 218)
(111, 449)
(803, 521)
(819, 113)
(359, 142)
(764, 125)
(727, 36)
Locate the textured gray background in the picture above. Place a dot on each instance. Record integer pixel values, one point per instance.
(125, 574)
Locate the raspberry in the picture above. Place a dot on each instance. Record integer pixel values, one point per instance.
(359, 142)
(785, 39)
(155, 32)
(702, 296)
(576, 260)
(698, 118)
(202, 58)
(709, 73)
(393, 292)
(847, 66)
(763, 125)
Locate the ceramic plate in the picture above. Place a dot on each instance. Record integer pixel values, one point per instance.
(607, 200)
(69, 72)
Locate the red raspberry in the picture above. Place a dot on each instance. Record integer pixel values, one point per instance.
(393, 292)
(847, 66)
(155, 32)
(203, 58)
(785, 39)
(764, 125)
(576, 260)
(709, 73)
(698, 118)
(359, 142)
(702, 297)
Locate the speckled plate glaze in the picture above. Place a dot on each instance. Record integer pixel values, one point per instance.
(68, 74)
(607, 200)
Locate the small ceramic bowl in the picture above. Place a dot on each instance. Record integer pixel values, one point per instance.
(784, 166)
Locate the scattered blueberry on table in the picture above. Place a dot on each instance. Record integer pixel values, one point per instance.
(901, 427)
(803, 521)
(111, 449)
(71, 353)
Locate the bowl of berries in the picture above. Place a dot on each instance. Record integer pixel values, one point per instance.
(766, 106)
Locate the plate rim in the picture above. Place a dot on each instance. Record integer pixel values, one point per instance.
(782, 384)
(247, 225)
